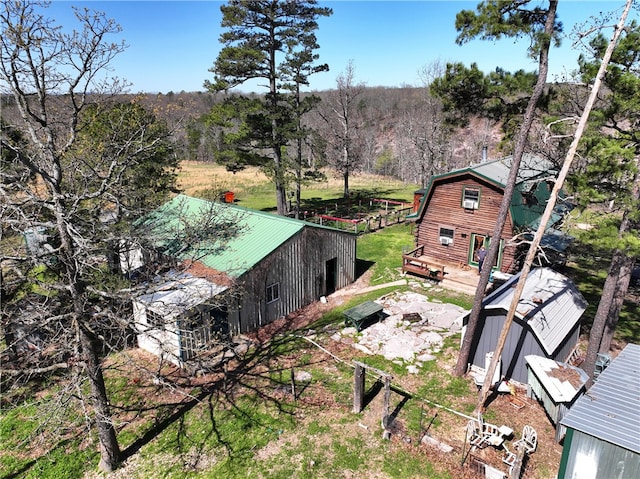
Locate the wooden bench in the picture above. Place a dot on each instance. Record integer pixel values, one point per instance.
(422, 268)
(363, 314)
(412, 262)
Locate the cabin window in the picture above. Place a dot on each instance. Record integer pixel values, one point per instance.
(273, 292)
(470, 198)
(446, 235)
(154, 320)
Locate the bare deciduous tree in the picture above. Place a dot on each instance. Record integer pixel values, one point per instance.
(70, 165)
(341, 111)
(423, 133)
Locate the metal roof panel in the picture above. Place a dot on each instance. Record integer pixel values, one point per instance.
(550, 303)
(609, 409)
(258, 233)
(175, 293)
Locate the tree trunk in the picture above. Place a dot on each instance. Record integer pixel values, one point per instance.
(626, 269)
(345, 175)
(622, 286)
(278, 174)
(109, 448)
(602, 313)
(613, 293)
(505, 205)
(484, 392)
(281, 198)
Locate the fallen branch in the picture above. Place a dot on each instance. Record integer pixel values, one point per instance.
(34, 371)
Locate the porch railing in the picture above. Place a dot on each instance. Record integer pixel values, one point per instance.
(413, 262)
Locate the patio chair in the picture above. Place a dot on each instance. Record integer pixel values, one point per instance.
(474, 433)
(529, 439)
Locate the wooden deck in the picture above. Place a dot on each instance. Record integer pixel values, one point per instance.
(455, 276)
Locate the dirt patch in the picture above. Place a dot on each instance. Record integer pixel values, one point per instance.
(451, 429)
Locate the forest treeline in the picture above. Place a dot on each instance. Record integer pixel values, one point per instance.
(394, 119)
(404, 130)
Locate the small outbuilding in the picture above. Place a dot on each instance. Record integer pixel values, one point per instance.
(181, 314)
(261, 268)
(546, 322)
(556, 385)
(603, 426)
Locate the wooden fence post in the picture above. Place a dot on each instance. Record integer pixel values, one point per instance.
(293, 385)
(358, 388)
(387, 395)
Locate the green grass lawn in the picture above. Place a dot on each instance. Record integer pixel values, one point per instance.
(254, 190)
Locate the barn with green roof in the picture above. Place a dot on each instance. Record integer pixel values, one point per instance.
(233, 269)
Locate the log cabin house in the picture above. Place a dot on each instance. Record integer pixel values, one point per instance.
(457, 211)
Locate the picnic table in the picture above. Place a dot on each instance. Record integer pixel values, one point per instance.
(363, 314)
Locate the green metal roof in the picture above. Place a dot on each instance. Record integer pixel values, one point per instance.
(497, 171)
(257, 233)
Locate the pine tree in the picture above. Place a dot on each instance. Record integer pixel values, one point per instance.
(259, 35)
(494, 20)
(610, 179)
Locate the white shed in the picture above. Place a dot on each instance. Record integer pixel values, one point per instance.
(165, 318)
(556, 385)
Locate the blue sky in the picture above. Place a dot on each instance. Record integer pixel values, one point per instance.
(172, 44)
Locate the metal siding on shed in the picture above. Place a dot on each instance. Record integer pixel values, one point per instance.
(520, 342)
(489, 327)
(610, 409)
(556, 317)
(269, 249)
(298, 266)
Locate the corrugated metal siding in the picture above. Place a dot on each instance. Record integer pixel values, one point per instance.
(555, 392)
(609, 410)
(299, 266)
(591, 458)
(550, 406)
(520, 342)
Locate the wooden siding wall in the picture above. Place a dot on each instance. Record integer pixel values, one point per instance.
(445, 209)
(299, 267)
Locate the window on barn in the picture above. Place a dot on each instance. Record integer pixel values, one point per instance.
(446, 235)
(470, 198)
(273, 292)
(154, 320)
